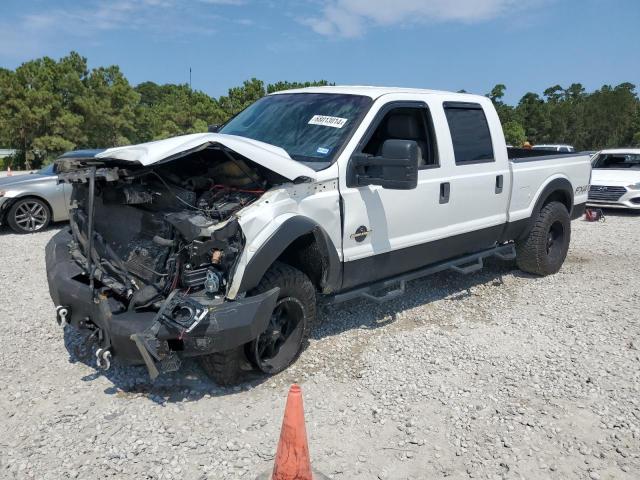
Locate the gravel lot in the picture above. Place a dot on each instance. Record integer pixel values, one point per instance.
(492, 375)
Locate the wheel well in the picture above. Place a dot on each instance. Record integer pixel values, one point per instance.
(559, 196)
(306, 255)
(43, 200)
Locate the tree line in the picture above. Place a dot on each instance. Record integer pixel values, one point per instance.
(48, 107)
(608, 117)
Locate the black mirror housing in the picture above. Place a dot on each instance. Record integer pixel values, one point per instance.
(396, 168)
(213, 128)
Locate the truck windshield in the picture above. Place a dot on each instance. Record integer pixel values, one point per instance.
(617, 160)
(311, 127)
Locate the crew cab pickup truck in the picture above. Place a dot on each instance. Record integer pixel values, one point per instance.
(219, 245)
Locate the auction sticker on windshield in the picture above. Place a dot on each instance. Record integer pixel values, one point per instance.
(327, 121)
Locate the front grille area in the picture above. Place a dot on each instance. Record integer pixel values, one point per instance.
(606, 193)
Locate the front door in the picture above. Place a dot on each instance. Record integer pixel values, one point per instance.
(381, 225)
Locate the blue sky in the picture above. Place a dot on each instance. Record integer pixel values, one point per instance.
(445, 44)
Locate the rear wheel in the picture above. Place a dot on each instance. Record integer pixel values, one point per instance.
(28, 215)
(544, 250)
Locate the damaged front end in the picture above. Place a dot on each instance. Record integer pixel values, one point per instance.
(150, 254)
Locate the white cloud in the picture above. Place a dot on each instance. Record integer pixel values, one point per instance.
(33, 33)
(350, 18)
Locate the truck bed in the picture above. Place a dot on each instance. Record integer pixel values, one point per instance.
(528, 155)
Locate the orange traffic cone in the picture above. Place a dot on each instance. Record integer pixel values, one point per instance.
(9, 174)
(292, 457)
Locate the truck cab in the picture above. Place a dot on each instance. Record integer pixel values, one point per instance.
(220, 245)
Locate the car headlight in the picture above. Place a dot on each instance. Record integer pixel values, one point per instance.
(633, 186)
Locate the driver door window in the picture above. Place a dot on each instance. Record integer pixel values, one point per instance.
(406, 123)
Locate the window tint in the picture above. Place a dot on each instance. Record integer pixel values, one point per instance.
(406, 123)
(469, 133)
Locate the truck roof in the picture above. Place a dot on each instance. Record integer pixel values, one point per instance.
(375, 92)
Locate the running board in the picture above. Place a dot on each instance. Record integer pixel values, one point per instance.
(465, 265)
(391, 295)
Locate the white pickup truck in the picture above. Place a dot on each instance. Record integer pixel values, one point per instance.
(219, 245)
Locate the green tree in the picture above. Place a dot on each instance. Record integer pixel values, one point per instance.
(609, 116)
(279, 86)
(169, 110)
(108, 108)
(505, 112)
(240, 98)
(535, 119)
(514, 134)
(39, 110)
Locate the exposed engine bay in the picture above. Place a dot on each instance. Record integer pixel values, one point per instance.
(161, 232)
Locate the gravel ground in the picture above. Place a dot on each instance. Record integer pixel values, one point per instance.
(492, 375)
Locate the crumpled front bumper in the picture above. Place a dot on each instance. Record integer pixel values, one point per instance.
(226, 325)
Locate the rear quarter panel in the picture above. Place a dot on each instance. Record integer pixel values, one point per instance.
(530, 177)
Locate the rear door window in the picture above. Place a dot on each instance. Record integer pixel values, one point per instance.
(470, 133)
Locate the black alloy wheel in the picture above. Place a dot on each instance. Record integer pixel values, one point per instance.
(280, 344)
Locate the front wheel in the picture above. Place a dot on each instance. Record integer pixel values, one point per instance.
(295, 312)
(282, 342)
(28, 215)
(544, 250)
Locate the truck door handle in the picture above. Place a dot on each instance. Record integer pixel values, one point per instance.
(445, 190)
(499, 183)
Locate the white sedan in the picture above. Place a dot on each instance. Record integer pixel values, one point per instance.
(615, 181)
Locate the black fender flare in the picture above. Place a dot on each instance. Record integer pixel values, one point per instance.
(557, 185)
(292, 229)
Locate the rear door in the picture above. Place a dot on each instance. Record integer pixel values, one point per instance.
(478, 173)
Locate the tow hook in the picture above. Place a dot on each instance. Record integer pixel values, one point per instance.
(103, 358)
(62, 313)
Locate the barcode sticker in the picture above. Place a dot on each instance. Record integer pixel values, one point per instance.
(326, 121)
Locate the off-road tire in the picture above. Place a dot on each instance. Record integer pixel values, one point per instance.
(230, 367)
(225, 368)
(293, 284)
(25, 203)
(538, 253)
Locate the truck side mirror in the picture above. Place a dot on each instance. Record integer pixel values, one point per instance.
(214, 128)
(396, 168)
